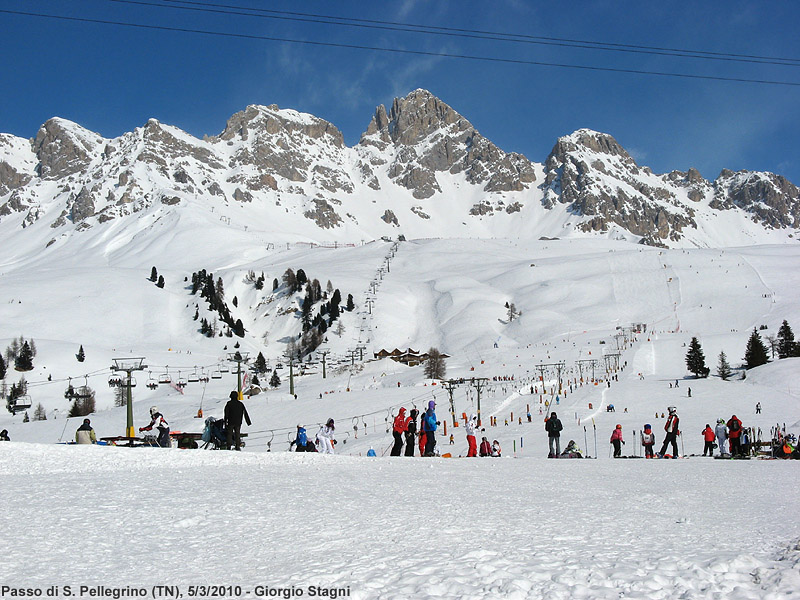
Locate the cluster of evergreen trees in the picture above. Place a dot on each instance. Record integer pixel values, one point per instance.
(21, 353)
(156, 278)
(318, 309)
(214, 293)
(756, 353)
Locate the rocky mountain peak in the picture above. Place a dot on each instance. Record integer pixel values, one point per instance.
(272, 121)
(63, 148)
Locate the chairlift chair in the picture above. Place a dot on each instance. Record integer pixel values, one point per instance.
(223, 368)
(152, 384)
(165, 378)
(22, 403)
(203, 378)
(69, 394)
(181, 383)
(194, 377)
(215, 374)
(114, 380)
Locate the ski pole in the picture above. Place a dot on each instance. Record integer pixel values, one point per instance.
(585, 444)
(594, 427)
(683, 453)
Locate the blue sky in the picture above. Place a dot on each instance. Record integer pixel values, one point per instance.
(111, 79)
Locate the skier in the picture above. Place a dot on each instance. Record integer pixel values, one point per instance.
(399, 428)
(571, 451)
(85, 434)
(648, 441)
(721, 431)
(486, 448)
(708, 437)
(735, 432)
(496, 452)
(158, 421)
(758, 408)
(671, 427)
(471, 441)
(371, 451)
(325, 439)
(301, 440)
(234, 411)
(617, 441)
(553, 427)
(429, 424)
(411, 431)
(4, 436)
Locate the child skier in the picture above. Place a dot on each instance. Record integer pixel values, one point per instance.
(721, 431)
(617, 441)
(411, 431)
(486, 448)
(496, 452)
(648, 441)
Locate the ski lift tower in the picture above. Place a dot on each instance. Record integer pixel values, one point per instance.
(238, 358)
(129, 365)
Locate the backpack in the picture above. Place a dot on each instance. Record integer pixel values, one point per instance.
(302, 438)
(736, 426)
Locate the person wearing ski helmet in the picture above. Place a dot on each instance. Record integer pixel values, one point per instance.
(398, 429)
(411, 431)
(648, 441)
(85, 434)
(472, 442)
(4, 436)
(671, 427)
(158, 421)
(429, 425)
(325, 438)
(617, 441)
(708, 438)
(553, 427)
(735, 435)
(721, 431)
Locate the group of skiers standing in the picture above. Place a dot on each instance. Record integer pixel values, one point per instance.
(405, 431)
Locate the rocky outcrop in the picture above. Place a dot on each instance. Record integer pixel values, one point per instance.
(771, 199)
(428, 136)
(63, 149)
(82, 206)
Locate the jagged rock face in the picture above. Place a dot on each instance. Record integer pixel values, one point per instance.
(82, 206)
(430, 137)
(772, 199)
(593, 173)
(62, 151)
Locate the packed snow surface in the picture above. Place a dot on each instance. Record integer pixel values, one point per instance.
(520, 526)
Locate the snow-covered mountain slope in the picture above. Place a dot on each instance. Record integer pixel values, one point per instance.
(419, 170)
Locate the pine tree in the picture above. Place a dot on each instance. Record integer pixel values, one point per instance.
(26, 418)
(153, 274)
(512, 311)
(723, 368)
(39, 414)
(260, 283)
(261, 363)
(24, 360)
(160, 281)
(301, 278)
(695, 359)
(350, 304)
(290, 279)
(435, 367)
(220, 290)
(305, 314)
(274, 381)
(2, 368)
(238, 328)
(785, 340)
(275, 284)
(235, 302)
(120, 396)
(755, 354)
(81, 355)
(33, 348)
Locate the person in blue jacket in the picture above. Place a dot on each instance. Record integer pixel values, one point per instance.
(301, 440)
(429, 424)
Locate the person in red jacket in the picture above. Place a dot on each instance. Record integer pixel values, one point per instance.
(708, 436)
(617, 441)
(734, 435)
(400, 427)
(486, 448)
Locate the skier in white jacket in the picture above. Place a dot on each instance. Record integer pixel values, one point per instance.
(325, 438)
(721, 431)
(471, 440)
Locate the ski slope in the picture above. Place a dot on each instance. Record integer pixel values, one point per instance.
(521, 526)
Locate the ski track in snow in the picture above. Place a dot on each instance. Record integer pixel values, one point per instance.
(396, 528)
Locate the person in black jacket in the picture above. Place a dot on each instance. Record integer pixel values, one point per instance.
(234, 411)
(411, 432)
(553, 427)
